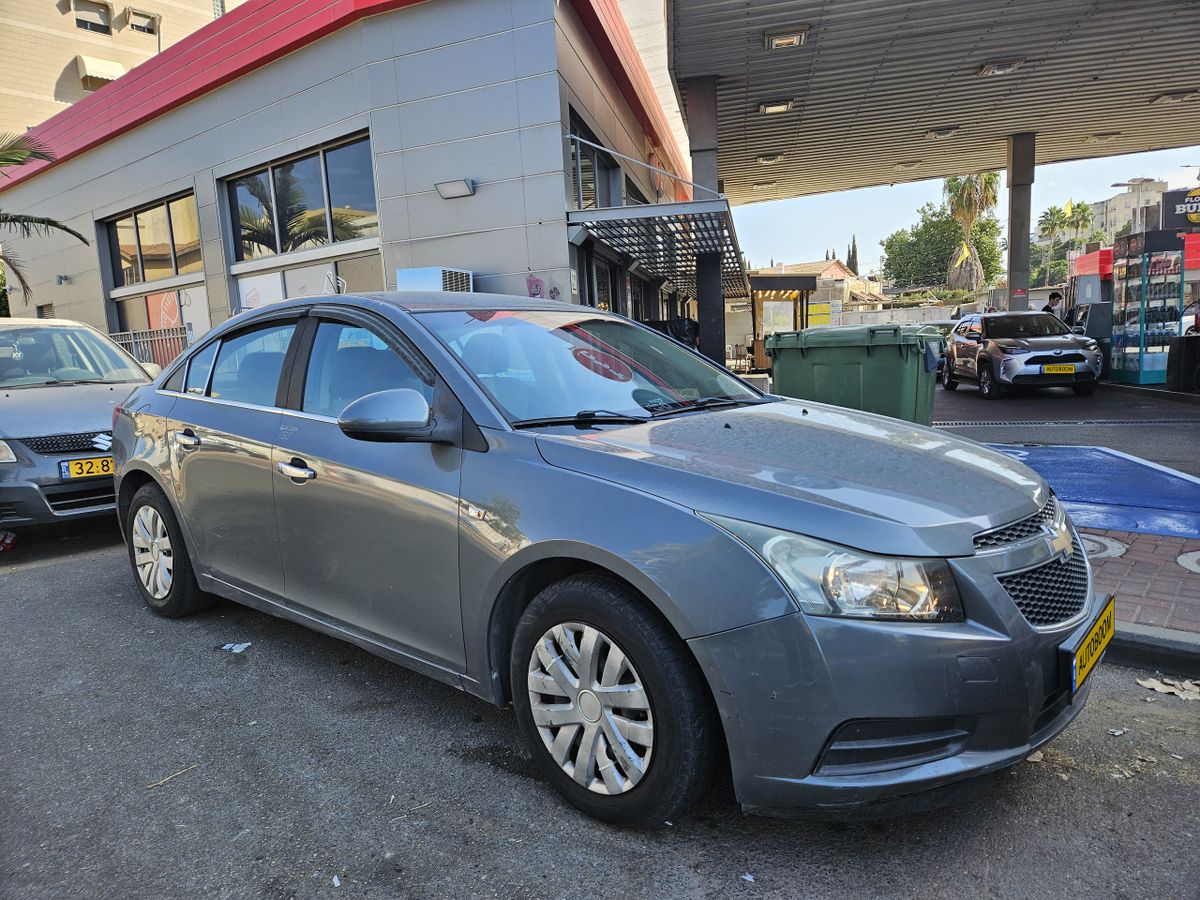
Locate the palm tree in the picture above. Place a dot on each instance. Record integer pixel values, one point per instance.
(302, 227)
(16, 150)
(1052, 221)
(970, 197)
(1079, 220)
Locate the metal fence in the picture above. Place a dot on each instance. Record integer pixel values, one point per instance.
(159, 345)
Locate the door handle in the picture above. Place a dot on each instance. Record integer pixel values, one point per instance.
(294, 471)
(186, 439)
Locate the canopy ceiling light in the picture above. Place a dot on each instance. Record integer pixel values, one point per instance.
(1102, 137)
(765, 185)
(1001, 66)
(769, 159)
(785, 39)
(1174, 97)
(906, 166)
(449, 190)
(936, 134)
(774, 107)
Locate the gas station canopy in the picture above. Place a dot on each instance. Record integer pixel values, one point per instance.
(863, 92)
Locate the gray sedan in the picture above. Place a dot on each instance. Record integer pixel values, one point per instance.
(659, 567)
(59, 382)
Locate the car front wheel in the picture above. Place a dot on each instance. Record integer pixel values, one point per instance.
(989, 387)
(610, 703)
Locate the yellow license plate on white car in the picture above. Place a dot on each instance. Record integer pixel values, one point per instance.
(1083, 656)
(1058, 370)
(91, 467)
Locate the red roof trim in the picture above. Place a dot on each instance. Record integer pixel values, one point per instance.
(606, 26)
(256, 33)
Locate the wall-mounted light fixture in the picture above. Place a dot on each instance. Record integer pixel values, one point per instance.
(774, 107)
(449, 190)
(785, 39)
(62, 279)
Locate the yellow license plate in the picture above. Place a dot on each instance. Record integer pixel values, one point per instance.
(1089, 650)
(86, 468)
(1058, 370)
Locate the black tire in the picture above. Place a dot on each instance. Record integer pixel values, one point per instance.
(1085, 390)
(184, 596)
(989, 388)
(685, 731)
(947, 379)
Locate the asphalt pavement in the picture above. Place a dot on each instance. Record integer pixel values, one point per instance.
(139, 759)
(1155, 428)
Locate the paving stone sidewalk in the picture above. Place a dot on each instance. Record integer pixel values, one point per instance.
(1152, 586)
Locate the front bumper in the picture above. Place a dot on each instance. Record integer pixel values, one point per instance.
(1018, 372)
(805, 701)
(34, 494)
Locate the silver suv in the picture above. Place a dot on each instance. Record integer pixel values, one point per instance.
(1020, 349)
(659, 567)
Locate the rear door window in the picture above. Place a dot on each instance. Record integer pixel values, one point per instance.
(249, 364)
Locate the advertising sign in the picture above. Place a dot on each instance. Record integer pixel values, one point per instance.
(1181, 210)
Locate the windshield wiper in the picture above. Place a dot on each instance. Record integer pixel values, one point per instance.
(585, 418)
(710, 402)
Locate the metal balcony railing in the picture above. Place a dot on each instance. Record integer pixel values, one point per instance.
(157, 345)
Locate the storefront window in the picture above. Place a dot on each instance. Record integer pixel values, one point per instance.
(300, 200)
(330, 189)
(126, 269)
(185, 235)
(155, 242)
(251, 196)
(352, 191)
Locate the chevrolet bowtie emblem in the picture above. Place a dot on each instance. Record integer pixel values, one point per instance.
(102, 441)
(1060, 541)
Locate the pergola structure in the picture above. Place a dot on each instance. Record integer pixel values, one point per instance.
(807, 96)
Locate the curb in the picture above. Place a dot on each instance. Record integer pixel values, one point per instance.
(1176, 396)
(1167, 650)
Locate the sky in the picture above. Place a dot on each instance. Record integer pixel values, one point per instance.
(801, 229)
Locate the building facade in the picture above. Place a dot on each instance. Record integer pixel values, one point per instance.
(1138, 207)
(57, 53)
(268, 157)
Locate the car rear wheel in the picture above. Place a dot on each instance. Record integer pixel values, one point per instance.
(159, 557)
(989, 387)
(948, 382)
(610, 703)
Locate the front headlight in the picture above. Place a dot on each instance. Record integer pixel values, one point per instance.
(1091, 346)
(6, 454)
(828, 580)
(1013, 351)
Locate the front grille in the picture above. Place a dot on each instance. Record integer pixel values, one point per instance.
(56, 444)
(1053, 592)
(1019, 530)
(1048, 360)
(71, 499)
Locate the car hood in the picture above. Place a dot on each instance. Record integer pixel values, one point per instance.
(61, 409)
(857, 479)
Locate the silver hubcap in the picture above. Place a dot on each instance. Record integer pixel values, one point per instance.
(152, 555)
(985, 381)
(590, 707)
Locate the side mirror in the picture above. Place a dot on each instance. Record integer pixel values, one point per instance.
(976, 338)
(1079, 329)
(152, 369)
(397, 415)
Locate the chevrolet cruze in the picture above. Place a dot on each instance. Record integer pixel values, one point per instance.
(662, 569)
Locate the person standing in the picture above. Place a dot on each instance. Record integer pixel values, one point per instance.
(1054, 305)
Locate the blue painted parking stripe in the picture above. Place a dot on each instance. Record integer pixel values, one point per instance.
(1108, 489)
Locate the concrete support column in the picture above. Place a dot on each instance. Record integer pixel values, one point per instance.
(1020, 186)
(702, 137)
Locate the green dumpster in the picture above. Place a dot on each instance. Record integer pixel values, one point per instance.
(886, 369)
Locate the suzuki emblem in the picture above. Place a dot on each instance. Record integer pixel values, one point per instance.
(102, 441)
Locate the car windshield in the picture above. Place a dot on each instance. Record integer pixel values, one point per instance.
(1041, 325)
(546, 364)
(33, 355)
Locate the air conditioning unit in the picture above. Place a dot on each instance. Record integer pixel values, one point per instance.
(434, 278)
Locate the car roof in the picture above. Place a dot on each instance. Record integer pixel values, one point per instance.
(1013, 312)
(430, 301)
(25, 322)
